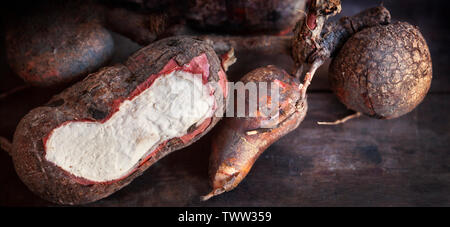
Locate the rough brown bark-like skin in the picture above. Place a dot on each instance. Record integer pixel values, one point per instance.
(244, 16)
(234, 151)
(141, 21)
(55, 45)
(308, 30)
(144, 5)
(383, 71)
(141, 28)
(307, 48)
(266, 44)
(91, 99)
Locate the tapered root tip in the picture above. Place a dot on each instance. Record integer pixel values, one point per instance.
(340, 121)
(206, 197)
(5, 145)
(328, 123)
(213, 193)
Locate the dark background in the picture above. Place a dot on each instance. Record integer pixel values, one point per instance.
(364, 162)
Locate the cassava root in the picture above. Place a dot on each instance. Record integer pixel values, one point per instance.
(241, 140)
(120, 116)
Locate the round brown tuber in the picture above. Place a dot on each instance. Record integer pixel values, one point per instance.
(380, 69)
(383, 71)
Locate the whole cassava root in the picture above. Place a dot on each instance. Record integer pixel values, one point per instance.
(241, 140)
(150, 20)
(244, 16)
(53, 45)
(380, 69)
(97, 112)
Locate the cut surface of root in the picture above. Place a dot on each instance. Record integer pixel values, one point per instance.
(340, 121)
(140, 124)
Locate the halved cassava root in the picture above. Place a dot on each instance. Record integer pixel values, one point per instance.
(113, 98)
(241, 140)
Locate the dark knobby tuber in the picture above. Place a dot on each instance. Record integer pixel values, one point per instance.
(241, 140)
(382, 71)
(101, 133)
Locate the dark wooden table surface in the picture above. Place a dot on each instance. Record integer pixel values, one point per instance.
(364, 162)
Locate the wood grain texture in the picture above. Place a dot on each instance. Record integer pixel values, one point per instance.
(364, 162)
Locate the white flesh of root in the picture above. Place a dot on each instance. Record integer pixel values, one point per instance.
(110, 150)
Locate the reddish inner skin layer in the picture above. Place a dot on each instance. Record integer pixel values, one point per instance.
(311, 21)
(198, 65)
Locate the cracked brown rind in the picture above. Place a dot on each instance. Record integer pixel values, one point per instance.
(383, 71)
(91, 99)
(233, 149)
